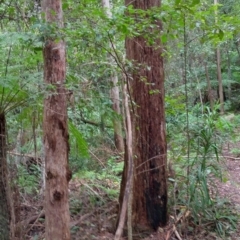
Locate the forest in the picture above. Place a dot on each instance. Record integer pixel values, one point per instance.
(120, 120)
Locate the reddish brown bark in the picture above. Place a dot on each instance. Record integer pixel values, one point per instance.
(149, 204)
(55, 131)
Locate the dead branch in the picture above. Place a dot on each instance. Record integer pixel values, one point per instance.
(34, 220)
(72, 224)
(176, 233)
(31, 220)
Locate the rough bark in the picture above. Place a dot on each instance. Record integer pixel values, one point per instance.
(55, 129)
(149, 202)
(7, 217)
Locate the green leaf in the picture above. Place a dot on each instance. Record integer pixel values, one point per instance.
(164, 38)
(65, 6)
(220, 34)
(36, 49)
(82, 144)
(195, 2)
(177, 2)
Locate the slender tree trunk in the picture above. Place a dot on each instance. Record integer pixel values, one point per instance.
(7, 219)
(114, 93)
(219, 72)
(237, 46)
(149, 199)
(117, 123)
(220, 86)
(229, 74)
(209, 88)
(55, 130)
(127, 178)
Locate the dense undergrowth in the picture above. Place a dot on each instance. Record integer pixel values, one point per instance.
(195, 161)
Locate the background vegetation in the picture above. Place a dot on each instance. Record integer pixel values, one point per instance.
(196, 131)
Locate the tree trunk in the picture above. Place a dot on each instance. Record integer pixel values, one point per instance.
(6, 206)
(117, 124)
(127, 178)
(209, 88)
(220, 86)
(55, 130)
(114, 93)
(149, 200)
(219, 72)
(229, 74)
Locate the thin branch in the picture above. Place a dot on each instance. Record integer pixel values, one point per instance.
(186, 96)
(96, 124)
(157, 156)
(123, 70)
(158, 167)
(97, 158)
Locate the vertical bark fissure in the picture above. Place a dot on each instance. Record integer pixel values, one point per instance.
(56, 147)
(149, 205)
(150, 142)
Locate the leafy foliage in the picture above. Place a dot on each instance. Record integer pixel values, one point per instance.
(195, 173)
(189, 27)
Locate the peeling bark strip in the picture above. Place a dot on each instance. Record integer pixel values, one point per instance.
(55, 131)
(149, 204)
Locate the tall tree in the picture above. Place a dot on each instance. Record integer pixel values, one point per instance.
(114, 93)
(219, 72)
(149, 196)
(56, 147)
(209, 87)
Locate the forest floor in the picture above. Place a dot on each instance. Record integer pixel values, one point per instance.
(94, 213)
(231, 188)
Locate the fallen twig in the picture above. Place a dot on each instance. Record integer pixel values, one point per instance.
(33, 220)
(72, 224)
(176, 233)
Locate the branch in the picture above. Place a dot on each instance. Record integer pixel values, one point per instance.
(96, 124)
